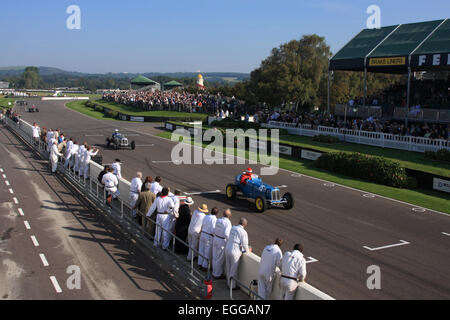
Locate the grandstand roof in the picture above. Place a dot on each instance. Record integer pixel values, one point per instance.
(173, 83)
(423, 46)
(141, 80)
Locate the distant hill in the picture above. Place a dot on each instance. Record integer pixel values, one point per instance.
(208, 76)
(43, 71)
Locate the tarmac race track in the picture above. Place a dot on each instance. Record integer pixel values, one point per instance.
(345, 230)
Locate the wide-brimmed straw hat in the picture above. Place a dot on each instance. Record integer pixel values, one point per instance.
(203, 208)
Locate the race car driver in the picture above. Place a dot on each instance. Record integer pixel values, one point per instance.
(247, 176)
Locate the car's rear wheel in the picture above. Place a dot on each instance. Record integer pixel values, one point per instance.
(108, 142)
(260, 204)
(133, 145)
(231, 192)
(289, 201)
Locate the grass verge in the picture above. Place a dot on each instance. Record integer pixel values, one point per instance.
(423, 198)
(80, 106)
(4, 102)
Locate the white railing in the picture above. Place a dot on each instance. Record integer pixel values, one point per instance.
(379, 139)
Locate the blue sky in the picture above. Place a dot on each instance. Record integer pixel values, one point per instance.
(184, 35)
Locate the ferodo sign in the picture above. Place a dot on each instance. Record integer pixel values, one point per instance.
(441, 185)
(430, 60)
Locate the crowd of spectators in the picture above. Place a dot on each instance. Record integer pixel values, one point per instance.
(426, 93)
(432, 131)
(174, 100)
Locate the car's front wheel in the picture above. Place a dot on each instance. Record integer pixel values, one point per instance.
(260, 204)
(231, 192)
(289, 201)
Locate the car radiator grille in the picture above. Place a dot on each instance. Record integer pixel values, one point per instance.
(276, 195)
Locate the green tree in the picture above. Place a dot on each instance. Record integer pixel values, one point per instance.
(30, 78)
(292, 73)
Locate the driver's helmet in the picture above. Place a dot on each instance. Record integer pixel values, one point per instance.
(116, 131)
(249, 171)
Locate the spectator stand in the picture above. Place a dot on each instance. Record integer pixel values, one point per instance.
(398, 49)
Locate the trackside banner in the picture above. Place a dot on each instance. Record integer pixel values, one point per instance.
(387, 62)
(441, 185)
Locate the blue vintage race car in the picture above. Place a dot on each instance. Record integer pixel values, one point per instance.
(265, 195)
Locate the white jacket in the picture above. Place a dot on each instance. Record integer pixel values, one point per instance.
(270, 260)
(196, 222)
(238, 241)
(293, 264)
(54, 153)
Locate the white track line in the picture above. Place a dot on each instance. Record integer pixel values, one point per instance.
(15, 200)
(4, 176)
(1, 170)
(445, 233)
(27, 225)
(402, 243)
(198, 193)
(11, 191)
(311, 260)
(35, 242)
(94, 135)
(44, 260)
(145, 145)
(56, 284)
(7, 183)
(21, 212)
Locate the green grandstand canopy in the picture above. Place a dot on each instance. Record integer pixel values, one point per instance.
(421, 46)
(173, 83)
(141, 80)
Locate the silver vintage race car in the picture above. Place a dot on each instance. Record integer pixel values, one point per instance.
(118, 141)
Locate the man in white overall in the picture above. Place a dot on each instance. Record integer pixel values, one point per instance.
(135, 190)
(79, 154)
(54, 154)
(236, 245)
(73, 154)
(194, 230)
(206, 239)
(221, 234)
(169, 225)
(163, 205)
(90, 152)
(293, 271)
(68, 152)
(270, 260)
(110, 182)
